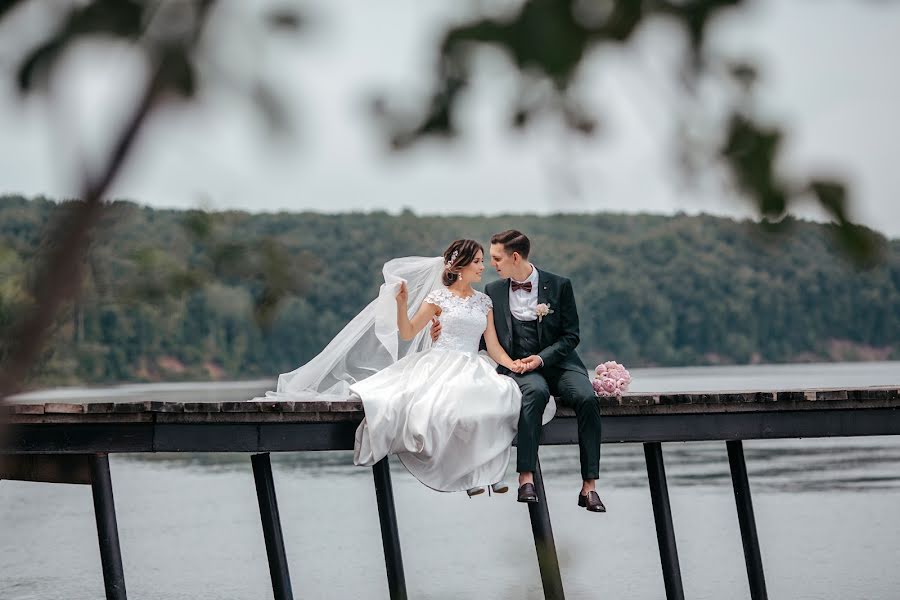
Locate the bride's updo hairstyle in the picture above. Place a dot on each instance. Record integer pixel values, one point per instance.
(459, 254)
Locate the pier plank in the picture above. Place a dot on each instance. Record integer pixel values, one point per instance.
(247, 426)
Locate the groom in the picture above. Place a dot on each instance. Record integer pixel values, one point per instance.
(537, 324)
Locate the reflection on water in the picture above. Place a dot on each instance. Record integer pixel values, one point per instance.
(190, 528)
(850, 464)
(312, 464)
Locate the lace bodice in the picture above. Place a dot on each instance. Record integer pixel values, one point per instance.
(463, 320)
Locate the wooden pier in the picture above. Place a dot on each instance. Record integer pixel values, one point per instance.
(70, 443)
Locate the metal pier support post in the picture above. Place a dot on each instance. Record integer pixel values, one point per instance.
(271, 525)
(543, 540)
(390, 536)
(744, 505)
(662, 514)
(107, 528)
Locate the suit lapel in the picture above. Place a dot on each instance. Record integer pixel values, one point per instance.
(542, 296)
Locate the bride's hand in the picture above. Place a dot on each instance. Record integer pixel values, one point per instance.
(517, 367)
(403, 294)
(435, 326)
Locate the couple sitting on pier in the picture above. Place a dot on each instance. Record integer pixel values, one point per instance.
(432, 399)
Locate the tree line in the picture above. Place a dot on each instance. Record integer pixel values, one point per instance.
(193, 295)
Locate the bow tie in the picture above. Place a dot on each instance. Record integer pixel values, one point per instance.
(516, 286)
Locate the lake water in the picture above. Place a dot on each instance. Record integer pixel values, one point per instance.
(827, 512)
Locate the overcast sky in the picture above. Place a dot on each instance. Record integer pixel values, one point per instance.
(829, 67)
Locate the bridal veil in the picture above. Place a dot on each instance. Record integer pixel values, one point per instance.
(370, 341)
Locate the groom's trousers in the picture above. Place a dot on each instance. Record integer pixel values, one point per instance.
(569, 388)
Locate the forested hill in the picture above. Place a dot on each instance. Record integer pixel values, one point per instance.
(160, 301)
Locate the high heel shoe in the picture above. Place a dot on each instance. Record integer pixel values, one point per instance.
(501, 487)
(475, 491)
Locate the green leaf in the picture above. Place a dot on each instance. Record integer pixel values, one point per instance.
(36, 66)
(286, 19)
(7, 6)
(118, 18)
(178, 73)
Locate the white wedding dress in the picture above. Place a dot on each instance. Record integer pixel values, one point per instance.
(442, 408)
(445, 411)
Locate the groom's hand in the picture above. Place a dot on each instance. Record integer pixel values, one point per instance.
(435, 329)
(532, 362)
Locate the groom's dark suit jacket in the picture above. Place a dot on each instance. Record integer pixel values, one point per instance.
(557, 332)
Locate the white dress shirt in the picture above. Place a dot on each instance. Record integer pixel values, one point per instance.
(522, 304)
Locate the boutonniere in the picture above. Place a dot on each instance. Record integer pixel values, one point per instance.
(542, 311)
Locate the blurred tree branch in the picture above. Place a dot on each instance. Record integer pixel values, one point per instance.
(59, 277)
(547, 41)
(168, 33)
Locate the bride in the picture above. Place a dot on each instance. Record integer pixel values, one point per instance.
(441, 408)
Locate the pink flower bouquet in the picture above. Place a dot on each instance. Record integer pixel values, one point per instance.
(612, 379)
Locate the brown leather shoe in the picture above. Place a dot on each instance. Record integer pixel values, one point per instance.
(591, 502)
(527, 493)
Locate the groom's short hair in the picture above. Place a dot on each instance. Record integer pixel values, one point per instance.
(513, 241)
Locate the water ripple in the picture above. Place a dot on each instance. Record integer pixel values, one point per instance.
(846, 464)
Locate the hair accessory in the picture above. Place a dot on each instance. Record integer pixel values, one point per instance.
(452, 259)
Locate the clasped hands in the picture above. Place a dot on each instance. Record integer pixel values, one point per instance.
(519, 366)
(524, 365)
